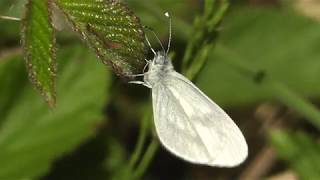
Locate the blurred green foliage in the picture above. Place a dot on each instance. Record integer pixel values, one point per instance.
(263, 54)
(281, 44)
(300, 150)
(11, 31)
(205, 32)
(31, 134)
(151, 13)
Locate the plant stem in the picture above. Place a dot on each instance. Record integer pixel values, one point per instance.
(197, 48)
(204, 37)
(295, 102)
(10, 18)
(141, 141)
(279, 90)
(146, 159)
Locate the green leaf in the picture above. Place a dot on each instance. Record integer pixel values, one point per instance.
(31, 134)
(39, 48)
(300, 151)
(111, 29)
(282, 45)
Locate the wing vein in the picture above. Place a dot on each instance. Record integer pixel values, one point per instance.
(191, 124)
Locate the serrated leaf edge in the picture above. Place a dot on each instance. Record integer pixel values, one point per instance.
(50, 97)
(116, 69)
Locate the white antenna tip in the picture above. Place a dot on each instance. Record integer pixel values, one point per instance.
(167, 14)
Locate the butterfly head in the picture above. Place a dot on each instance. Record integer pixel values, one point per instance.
(160, 58)
(158, 67)
(160, 62)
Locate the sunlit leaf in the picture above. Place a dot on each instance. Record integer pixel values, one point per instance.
(39, 48)
(111, 29)
(32, 136)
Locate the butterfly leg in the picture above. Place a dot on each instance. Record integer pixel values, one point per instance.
(147, 64)
(140, 82)
(136, 75)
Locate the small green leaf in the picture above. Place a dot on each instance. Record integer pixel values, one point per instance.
(111, 29)
(39, 48)
(32, 136)
(300, 151)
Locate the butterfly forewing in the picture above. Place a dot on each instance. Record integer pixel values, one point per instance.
(173, 127)
(192, 126)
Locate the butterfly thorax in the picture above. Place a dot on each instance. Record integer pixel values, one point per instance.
(159, 68)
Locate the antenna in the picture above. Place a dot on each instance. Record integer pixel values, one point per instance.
(170, 32)
(155, 35)
(10, 18)
(149, 44)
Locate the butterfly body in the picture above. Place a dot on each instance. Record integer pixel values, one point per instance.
(159, 69)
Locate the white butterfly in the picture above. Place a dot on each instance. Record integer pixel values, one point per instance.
(188, 123)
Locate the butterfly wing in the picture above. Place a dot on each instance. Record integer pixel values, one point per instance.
(193, 127)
